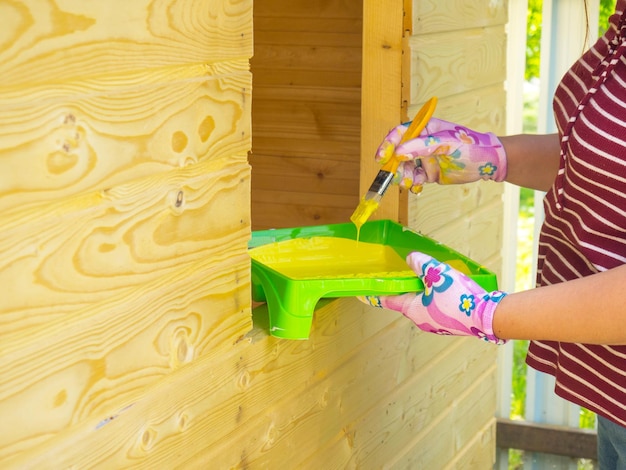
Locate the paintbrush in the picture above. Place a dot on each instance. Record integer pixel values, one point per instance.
(370, 202)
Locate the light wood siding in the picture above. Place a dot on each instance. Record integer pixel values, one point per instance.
(124, 221)
(457, 52)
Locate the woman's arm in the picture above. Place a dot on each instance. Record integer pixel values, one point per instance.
(589, 310)
(532, 160)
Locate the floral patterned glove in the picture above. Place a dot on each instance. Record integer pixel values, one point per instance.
(451, 303)
(444, 153)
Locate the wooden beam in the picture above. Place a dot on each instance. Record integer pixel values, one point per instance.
(381, 105)
(547, 439)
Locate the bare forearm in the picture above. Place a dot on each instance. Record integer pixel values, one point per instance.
(532, 160)
(588, 310)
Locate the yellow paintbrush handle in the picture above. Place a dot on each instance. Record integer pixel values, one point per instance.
(417, 125)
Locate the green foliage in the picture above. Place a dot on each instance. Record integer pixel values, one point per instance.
(533, 32)
(607, 7)
(533, 39)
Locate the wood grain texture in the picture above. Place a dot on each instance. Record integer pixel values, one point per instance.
(73, 253)
(59, 42)
(366, 390)
(98, 135)
(456, 62)
(432, 16)
(137, 288)
(381, 105)
(457, 53)
(306, 114)
(124, 209)
(223, 415)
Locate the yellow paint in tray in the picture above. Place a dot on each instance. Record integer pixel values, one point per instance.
(331, 258)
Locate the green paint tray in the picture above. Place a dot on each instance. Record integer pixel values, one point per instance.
(291, 301)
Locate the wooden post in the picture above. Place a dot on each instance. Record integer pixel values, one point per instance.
(381, 95)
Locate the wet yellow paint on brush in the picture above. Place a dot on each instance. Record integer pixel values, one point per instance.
(331, 257)
(363, 212)
(370, 202)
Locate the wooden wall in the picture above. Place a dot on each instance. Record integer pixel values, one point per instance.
(126, 335)
(306, 115)
(458, 53)
(124, 221)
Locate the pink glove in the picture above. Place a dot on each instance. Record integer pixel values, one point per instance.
(444, 153)
(451, 304)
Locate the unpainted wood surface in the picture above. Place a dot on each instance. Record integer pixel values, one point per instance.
(432, 16)
(307, 112)
(367, 390)
(457, 53)
(97, 134)
(124, 211)
(382, 105)
(48, 41)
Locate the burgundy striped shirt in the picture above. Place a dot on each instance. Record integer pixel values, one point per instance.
(584, 231)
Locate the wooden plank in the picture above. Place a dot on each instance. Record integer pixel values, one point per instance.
(439, 424)
(284, 57)
(284, 34)
(97, 136)
(381, 106)
(304, 119)
(438, 442)
(312, 23)
(210, 403)
(481, 108)
(478, 451)
(331, 178)
(477, 234)
(305, 78)
(456, 62)
(44, 42)
(318, 411)
(431, 16)
(327, 94)
(547, 439)
(103, 360)
(121, 292)
(73, 253)
(280, 215)
(299, 9)
(334, 150)
(439, 205)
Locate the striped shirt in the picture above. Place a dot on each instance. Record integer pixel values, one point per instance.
(584, 231)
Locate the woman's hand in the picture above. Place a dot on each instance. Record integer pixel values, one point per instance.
(444, 153)
(451, 303)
